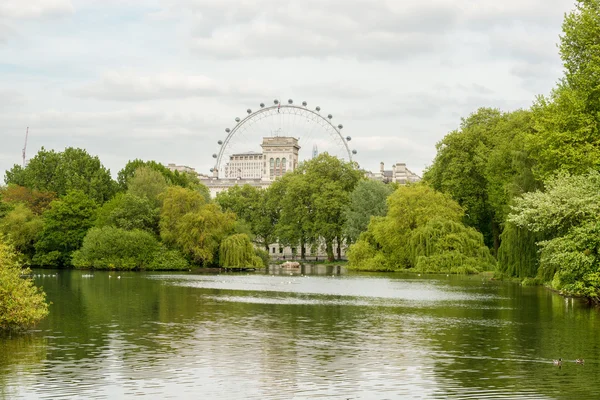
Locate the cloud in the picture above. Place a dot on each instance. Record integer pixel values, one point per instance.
(34, 9)
(132, 86)
(311, 28)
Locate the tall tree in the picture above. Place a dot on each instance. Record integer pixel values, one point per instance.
(147, 183)
(366, 201)
(65, 225)
(61, 172)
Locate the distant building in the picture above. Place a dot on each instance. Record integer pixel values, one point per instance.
(181, 168)
(398, 174)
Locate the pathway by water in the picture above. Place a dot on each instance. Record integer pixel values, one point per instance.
(281, 336)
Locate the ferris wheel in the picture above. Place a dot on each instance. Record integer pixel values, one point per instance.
(315, 133)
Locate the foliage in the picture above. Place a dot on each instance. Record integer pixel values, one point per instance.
(422, 230)
(182, 179)
(483, 165)
(250, 204)
(568, 121)
(176, 202)
(568, 201)
(120, 249)
(36, 200)
(263, 255)
(572, 261)
(236, 251)
(311, 202)
(518, 255)
(65, 225)
(442, 245)
(21, 228)
(192, 226)
(566, 214)
(22, 304)
(148, 184)
(72, 169)
(368, 199)
(128, 212)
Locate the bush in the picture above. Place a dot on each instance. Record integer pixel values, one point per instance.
(22, 304)
(115, 248)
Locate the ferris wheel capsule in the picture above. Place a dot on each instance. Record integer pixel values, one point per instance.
(348, 138)
(290, 101)
(276, 101)
(249, 111)
(354, 151)
(340, 126)
(220, 142)
(318, 108)
(262, 105)
(215, 155)
(304, 103)
(227, 130)
(237, 119)
(212, 170)
(330, 116)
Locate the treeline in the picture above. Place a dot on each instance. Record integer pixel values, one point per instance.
(528, 180)
(64, 210)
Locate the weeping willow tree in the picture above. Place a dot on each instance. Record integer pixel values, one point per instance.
(518, 254)
(423, 230)
(442, 245)
(236, 251)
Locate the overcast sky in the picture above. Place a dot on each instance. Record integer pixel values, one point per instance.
(162, 79)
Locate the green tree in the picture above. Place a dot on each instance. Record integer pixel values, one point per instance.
(148, 184)
(483, 165)
(72, 169)
(366, 201)
(567, 123)
(21, 228)
(236, 251)
(250, 204)
(423, 229)
(192, 226)
(183, 179)
(22, 304)
(120, 249)
(65, 225)
(129, 212)
(311, 202)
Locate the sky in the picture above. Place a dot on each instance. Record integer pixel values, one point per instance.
(162, 79)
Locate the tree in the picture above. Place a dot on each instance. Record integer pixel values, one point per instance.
(129, 212)
(22, 304)
(65, 225)
(72, 169)
(183, 179)
(567, 125)
(366, 201)
(250, 204)
(36, 200)
(147, 183)
(423, 229)
(21, 227)
(483, 165)
(192, 226)
(177, 202)
(312, 200)
(120, 249)
(236, 251)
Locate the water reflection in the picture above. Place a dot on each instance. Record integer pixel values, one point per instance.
(273, 336)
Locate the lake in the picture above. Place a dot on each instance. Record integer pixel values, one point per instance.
(323, 333)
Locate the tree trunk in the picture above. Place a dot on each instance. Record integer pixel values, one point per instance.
(329, 248)
(339, 249)
(302, 249)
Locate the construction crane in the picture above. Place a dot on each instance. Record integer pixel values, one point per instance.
(25, 146)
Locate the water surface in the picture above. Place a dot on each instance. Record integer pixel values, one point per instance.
(282, 335)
